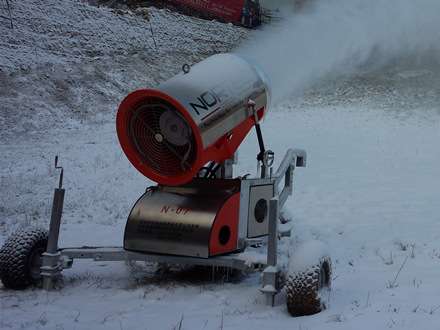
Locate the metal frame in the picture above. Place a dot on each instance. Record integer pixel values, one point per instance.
(55, 259)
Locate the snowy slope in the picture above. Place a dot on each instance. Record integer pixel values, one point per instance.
(369, 191)
(77, 48)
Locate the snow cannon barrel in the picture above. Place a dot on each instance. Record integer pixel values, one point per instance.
(169, 133)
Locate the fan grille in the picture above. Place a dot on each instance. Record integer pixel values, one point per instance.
(161, 137)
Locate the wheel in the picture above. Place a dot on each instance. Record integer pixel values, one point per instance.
(21, 258)
(308, 276)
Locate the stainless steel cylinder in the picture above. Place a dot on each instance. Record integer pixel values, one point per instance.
(200, 115)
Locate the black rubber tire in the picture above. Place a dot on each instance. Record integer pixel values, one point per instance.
(304, 288)
(21, 258)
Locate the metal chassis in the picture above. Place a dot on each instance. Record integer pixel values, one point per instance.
(272, 279)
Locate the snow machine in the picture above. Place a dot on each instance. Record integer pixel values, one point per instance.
(184, 135)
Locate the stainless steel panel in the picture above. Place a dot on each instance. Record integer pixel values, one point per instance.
(258, 218)
(177, 220)
(215, 93)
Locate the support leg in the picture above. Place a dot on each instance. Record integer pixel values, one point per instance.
(50, 258)
(272, 273)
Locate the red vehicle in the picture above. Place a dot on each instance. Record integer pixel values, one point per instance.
(246, 12)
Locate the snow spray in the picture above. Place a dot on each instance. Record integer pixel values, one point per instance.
(334, 37)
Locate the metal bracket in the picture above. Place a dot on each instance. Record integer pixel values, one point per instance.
(265, 157)
(272, 283)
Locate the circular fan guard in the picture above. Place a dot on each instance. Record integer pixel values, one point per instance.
(161, 137)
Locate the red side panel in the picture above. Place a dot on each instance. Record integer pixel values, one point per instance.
(230, 9)
(224, 232)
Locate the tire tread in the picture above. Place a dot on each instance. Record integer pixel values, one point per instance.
(14, 268)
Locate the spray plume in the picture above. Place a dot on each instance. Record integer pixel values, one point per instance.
(333, 37)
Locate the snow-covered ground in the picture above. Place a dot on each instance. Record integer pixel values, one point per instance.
(370, 190)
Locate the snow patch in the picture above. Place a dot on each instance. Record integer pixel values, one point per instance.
(252, 258)
(307, 256)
